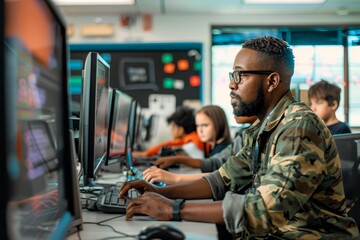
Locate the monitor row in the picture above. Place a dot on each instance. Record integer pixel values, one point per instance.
(110, 120)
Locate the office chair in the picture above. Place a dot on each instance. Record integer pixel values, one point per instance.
(348, 146)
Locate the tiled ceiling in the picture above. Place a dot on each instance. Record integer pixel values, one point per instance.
(177, 7)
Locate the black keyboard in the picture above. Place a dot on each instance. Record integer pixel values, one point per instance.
(108, 201)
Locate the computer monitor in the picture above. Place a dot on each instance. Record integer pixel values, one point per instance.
(139, 129)
(133, 123)
(93, 135)
(37, 172)
(119, 123)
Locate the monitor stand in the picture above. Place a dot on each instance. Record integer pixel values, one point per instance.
(77, 224)
(89, 185)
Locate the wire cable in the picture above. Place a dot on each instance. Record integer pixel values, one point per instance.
(124, 235)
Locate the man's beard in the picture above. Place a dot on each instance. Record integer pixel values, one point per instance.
(242, 109)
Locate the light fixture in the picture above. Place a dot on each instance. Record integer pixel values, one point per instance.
(94, 2)
(284, 1)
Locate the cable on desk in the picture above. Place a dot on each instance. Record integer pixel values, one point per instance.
(119, 216)
(78, 234)
(116, 231)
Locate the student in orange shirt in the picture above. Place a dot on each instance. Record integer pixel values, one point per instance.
(183, 131)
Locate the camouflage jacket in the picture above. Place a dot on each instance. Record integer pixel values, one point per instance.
(297, 191)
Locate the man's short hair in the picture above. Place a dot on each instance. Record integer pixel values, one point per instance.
(325, 90)
(277, 49)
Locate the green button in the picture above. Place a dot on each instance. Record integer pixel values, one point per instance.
(168, 83)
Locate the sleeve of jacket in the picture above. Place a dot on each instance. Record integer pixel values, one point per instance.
(213, 163)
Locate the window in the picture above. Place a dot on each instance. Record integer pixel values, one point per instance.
(319, 54)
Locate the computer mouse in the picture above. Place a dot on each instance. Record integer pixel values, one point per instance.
(161, 231)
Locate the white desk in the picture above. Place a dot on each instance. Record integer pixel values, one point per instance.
(192, 230)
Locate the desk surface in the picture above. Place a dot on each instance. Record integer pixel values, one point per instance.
(97, 224)
(193, 231)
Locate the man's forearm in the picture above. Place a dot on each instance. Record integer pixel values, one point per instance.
(202, 212)
(198, 189)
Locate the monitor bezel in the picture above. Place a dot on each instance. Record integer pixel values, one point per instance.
(132, 124)
(3, 132)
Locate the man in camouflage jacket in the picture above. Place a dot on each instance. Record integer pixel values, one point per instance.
(286, 182)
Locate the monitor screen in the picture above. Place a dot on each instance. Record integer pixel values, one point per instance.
(119, 119)
(34, 93)
(94, 116)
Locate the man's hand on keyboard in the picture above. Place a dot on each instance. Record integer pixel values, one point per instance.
(151, 204)
(140, 185)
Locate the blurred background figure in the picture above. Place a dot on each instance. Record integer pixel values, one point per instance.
(183, 131)
(324, 99)
(212, 128)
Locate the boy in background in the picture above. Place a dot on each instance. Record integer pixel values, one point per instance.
(324, 99)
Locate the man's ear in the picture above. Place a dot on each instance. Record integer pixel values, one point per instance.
(273, 81)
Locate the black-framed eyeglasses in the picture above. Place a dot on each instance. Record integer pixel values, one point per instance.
(236, 75)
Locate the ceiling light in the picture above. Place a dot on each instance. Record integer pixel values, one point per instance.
(284, 1)
(94, 2)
